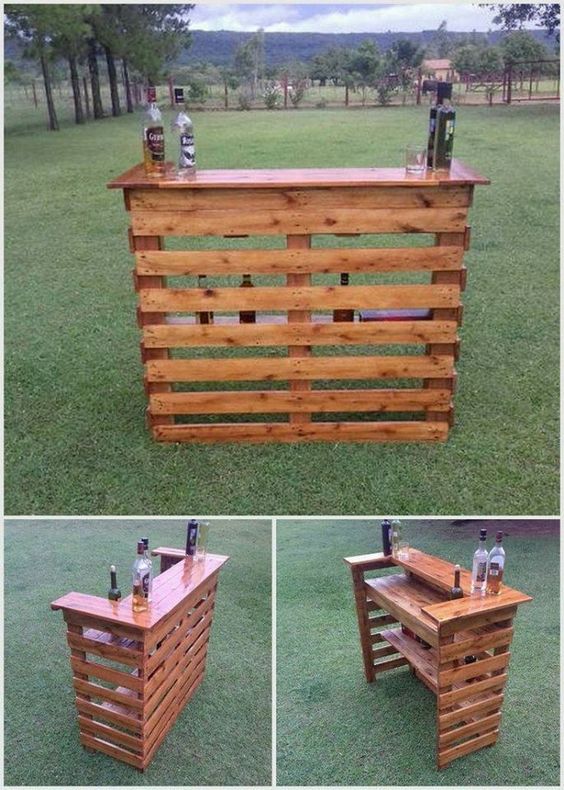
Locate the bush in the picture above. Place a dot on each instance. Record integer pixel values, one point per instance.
(245, 100)
(197, 92)
(297, 92)
(321, 104)
(271, 96)
(384, 93)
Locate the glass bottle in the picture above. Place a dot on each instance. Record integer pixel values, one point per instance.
(139, 601)
(183, 128)
(191, 537)
(441, 129)
(149, 562)
(396, 536)
(480, 566)
(343, 313)
(247, 316)
(141, 571)
(153, 137)
(386, 537)
(456, 590)
(496, 564)
(114, 593)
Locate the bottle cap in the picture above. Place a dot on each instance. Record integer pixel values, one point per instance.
(457, 568)
(145, 542)
(444, 91)
(483, 533)
(112, 568)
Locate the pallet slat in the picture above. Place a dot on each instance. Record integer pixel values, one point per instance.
(317, 297)
(310, 261)
(272, 222)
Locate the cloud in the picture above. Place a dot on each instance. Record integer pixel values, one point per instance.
(344, 18)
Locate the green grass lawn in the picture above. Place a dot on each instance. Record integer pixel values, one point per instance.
(76, 441)
(335, 729)
(222, 737)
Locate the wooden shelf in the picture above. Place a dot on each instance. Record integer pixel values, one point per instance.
(423, 660)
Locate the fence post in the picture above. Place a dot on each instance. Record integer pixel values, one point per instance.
(34, 93)
(171, 90)
(346, 95)
(418, 95)
(509, 80)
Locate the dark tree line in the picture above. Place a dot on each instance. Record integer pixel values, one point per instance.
(134, 41)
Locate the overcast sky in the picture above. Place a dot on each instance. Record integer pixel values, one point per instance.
(343, 18)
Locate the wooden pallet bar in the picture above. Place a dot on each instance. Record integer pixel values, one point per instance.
(469, 696)
(158, 657)
(294, 317)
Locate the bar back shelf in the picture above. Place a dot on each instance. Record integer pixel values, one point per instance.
(133, 672)
(300, 389)
(469, 694)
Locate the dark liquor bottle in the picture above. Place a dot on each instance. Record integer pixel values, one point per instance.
(496, 564)
(342, 313)
(114, 593)
(153, 137)
(441, 129)
(247, 316)
(456, 590)
(191, 537)
(205, 317)
(387, 537)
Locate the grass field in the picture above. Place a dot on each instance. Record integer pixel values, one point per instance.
(76, 441)
(223, 736)
(335, 729)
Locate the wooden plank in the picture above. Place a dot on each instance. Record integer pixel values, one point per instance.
(370, 562)
(384, 666)
(476, 669)
(469, 711)
(471, 690)
(272, 401)
(94, 690)
(314, 432)
(242, 335)
(294, 199)
(300, 351)
(470, 646)
(113, 751)
(458, 174)
(474, 728)
(423, 660)
(447, 756)
(384, 619)
(107, 733)
(300, 261)
(363, 621)
(402, 598)
(273, 222)
(381, 652)
(319, 297)
(113, 652)
(472, 617)
(104, 712)
(284, 368)
(85, 669)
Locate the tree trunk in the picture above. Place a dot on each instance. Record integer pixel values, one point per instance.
(53, 122)
(86, 99)
(34, 93)
(225, 95)
(94, 80)
(127, 86)
(112, 76)
(75, 83)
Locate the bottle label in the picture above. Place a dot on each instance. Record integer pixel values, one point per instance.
(154, 136)
(192, 540)
(187, 150)
(494, 569)
(481, 572)
(145, 584)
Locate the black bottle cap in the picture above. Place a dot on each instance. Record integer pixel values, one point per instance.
(483, 533)
(386, 522)
(145, 542)
(444, 91)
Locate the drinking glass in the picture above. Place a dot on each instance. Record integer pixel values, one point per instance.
(202, 543)
(403, 550)
(415, 158)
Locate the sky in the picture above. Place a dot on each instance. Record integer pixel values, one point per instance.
(343, 18)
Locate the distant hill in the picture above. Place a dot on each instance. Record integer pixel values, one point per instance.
(219, 47)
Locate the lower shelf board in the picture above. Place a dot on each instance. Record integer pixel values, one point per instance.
(424, 661)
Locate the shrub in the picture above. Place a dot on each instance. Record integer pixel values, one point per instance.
(321, 104)
(271, 95)
(244, 100)
(384, 93)
(197, 92)
(297, 92)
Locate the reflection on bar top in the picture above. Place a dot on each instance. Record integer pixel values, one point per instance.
(459, 174)
(169, 589)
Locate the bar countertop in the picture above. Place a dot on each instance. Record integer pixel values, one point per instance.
(169, 590)
(459, 174)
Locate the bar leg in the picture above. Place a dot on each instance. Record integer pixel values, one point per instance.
(363, 624)
(81, 655)
(300, 242)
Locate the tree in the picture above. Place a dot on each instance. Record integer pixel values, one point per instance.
(108, 32)
(514, 15)
(441, 43)
(31, 26)
(477, 60)
(249, 60)
(363, 66)
(70, 33)
(402, 59)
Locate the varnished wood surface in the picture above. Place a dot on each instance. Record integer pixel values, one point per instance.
(169, 589)
(459, 174)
